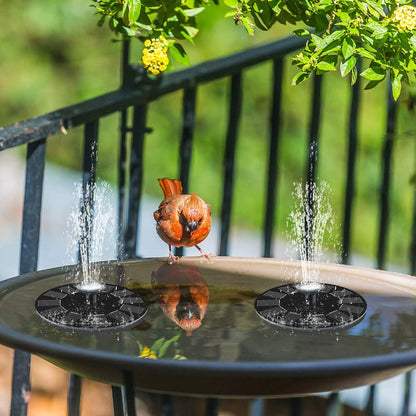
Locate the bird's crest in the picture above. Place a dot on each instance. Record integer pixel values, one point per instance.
(170, 186)
(193, 204)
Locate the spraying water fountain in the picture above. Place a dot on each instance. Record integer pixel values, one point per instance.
(90, 304)
(311, 305)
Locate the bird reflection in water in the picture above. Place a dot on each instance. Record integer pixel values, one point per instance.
(183, 294)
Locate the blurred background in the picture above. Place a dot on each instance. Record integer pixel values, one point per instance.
(53, 54)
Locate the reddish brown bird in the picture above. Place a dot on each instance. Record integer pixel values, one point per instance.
(182, 219)
(183, 295)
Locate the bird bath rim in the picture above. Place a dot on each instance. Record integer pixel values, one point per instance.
(62, 354)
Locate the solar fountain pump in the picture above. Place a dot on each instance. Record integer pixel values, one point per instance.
(91, 304)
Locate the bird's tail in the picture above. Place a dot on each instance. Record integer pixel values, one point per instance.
(170, 186)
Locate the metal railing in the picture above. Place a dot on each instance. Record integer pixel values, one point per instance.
(135, 94)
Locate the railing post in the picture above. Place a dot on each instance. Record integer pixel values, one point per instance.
(136, 179)
(229, 157)
(185, 153)
(352, 156)
(35, 166)
(272, 177)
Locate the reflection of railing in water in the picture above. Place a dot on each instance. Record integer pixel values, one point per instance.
(136, 93)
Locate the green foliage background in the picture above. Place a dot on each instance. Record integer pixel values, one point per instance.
(54, 55)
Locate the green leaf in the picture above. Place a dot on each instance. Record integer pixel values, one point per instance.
(193, 12)
(179, 54)
(413, 41)
(320, 44)
(192, 31)
(258, 21)
(300, 77)
(326, 66)
(157, 344)
(396, 83)
(396, 87)
(347, 65)
(134, 10)
(230, 14)
(248, 24)
(166, 344)
(354, 75)
(345, 17)
(301, 33)
(321, 22)
(376, 7)
(348, 47)
(231, 3)
(325, 42)
(372, 84)
(374, 73)
(365, 53)
(275, 5)
(378, 29)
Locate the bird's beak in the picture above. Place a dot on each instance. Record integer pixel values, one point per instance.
(192, 226)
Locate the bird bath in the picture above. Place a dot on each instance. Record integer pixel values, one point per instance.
(231, 351)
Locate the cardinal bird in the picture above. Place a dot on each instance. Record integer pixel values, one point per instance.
(182, 220)
(183, 295)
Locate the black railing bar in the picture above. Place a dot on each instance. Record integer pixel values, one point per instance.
(185, 151)
(352, 157)
(212, 406)
(407, 395)
(188, 127)
(369, 410)
(296, 406)
(334, 407)
(312, 162)
(272, 177)
(122, 171)
(257, 407)
(125, 57)
(136, 179)
(385, 182)
(236, 95)
(227, 66)
(130, 394)
(69, 117)
(35, 167)
(412, 248)
(166, 405)
(74, 395)
(117, 394)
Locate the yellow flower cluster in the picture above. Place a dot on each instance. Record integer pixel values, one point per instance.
(406, 17)
(155, 57)
(148, 353)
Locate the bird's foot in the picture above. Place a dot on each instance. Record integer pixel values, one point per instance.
(172, 259)
(208, 257)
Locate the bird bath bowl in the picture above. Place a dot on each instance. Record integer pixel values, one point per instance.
(231, 351)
